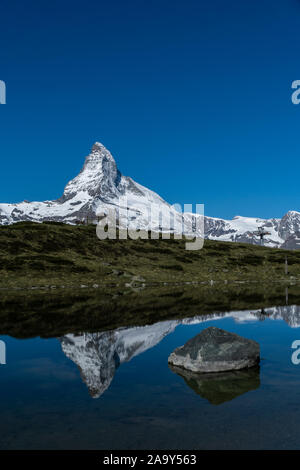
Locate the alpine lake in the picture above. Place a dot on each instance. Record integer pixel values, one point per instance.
(86, 370)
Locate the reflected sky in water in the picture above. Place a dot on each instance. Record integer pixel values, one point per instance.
(114, 390)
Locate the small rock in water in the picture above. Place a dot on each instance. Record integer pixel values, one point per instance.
(216, 350)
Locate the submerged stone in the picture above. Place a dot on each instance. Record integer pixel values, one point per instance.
(216, 350)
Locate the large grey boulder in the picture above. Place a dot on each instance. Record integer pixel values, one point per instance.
(216, 350)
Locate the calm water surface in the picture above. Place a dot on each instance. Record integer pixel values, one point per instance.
(114, 390)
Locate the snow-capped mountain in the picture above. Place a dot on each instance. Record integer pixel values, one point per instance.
(292, 242)
(98, 355)
(98, 184)
(282, 232)
(100, 187)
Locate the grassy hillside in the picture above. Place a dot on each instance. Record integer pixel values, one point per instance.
(54, 254)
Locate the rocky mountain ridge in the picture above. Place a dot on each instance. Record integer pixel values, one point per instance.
(100, 187)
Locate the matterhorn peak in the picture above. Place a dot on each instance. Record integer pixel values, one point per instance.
(99, 153)
(99, 172)
(98, 145)
(100, 187)
(100, 150)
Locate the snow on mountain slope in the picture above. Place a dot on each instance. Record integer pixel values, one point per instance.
(98, 355)
(292, 242)
(97, 189)
(240, 229)
(100, 187)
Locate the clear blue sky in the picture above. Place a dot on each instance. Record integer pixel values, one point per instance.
(192, 98)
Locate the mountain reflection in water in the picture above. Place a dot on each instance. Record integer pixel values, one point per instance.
(98, 355)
